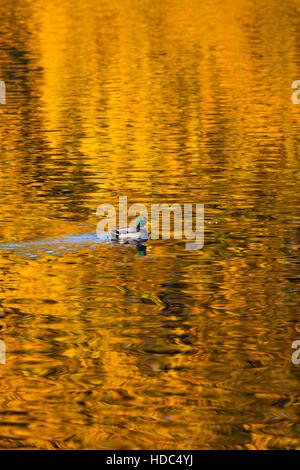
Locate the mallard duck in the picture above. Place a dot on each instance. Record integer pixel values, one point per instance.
(136, 234)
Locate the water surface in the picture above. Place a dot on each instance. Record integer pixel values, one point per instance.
(176, 102)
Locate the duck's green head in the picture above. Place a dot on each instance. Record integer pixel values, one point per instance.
(141, 222)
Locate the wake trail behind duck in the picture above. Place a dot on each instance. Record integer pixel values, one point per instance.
(55, 246)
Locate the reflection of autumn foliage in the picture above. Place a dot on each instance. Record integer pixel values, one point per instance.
(170, 102)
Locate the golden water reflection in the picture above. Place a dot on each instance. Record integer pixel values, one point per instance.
(177, 102)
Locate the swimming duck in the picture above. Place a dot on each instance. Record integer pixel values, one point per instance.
(136, 234)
